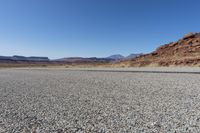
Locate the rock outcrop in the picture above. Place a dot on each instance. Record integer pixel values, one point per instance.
(184, 52)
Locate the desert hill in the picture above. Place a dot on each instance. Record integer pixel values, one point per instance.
(184, 52)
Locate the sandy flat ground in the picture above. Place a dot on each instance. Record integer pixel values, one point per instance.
(100, 100)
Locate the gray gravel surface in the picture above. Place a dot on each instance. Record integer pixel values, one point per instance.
(59, 100)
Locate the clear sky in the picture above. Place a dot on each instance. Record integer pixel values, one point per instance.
(88, 28)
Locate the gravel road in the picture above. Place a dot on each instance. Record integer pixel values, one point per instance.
(62, 100)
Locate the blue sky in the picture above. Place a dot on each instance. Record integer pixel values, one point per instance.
(88, 28)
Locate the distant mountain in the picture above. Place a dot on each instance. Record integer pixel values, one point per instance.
(5, 58)
(21, 61)
(23, 58)
(121, 57)
(131, 56)
(82, 60)
(116, 57)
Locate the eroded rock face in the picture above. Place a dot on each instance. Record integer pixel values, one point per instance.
(188, 46)
(189, 35)
(185, 51)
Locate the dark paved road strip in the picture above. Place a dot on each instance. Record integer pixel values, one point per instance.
(133, 71)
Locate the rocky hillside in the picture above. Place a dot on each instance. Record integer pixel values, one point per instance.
(184, 52)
